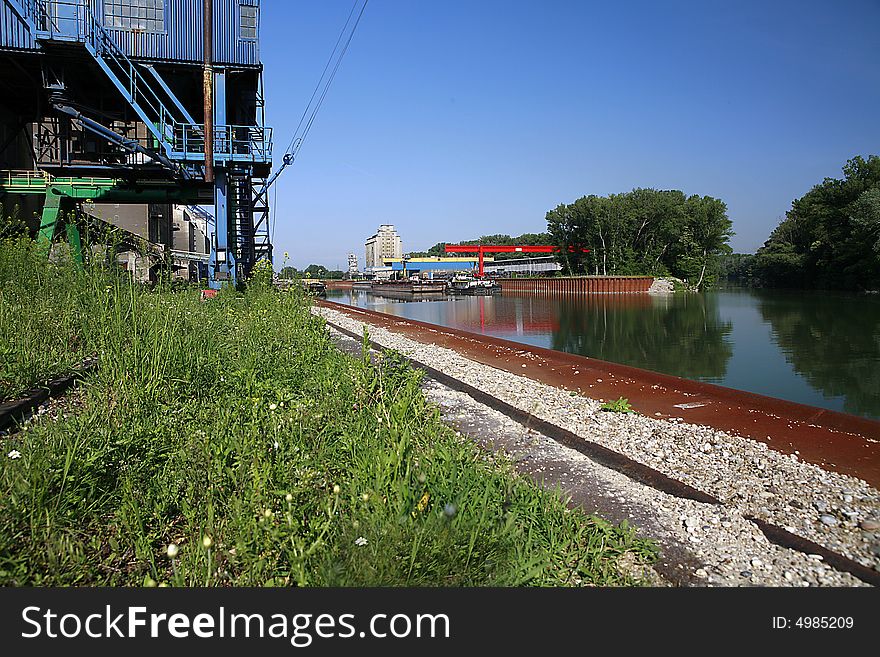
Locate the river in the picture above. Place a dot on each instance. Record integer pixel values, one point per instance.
(817, 348)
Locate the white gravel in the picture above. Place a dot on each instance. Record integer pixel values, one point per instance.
(834, 510)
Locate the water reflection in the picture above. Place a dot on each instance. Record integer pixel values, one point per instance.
(831, 340)
(684, 336)
(814, 348)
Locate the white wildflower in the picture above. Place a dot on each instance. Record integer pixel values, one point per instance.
(14, 454)
(360, 541)
(172, 550)
(273, 406)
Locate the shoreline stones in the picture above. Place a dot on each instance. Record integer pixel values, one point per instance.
(839, 512)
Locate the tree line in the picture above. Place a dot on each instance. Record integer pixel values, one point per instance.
(642, 232)
(312, 271)
(829, 239)
(526, 239)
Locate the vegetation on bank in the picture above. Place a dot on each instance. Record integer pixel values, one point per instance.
(527, 239)
(829, 239)
(230, 443)
(312, 271)
(643, 232)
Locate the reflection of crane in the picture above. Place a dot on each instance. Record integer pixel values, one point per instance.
(482, 249)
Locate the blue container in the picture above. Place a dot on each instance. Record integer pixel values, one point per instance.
(168, 31)
(180, 38)
(14, 33)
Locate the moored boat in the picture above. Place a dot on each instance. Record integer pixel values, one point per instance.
(315, 288)
(467, 284)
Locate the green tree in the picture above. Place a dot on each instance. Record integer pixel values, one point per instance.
(527, 239)
(829, 237)
(710, 230)
(316, 271)
(865, 214)
(288, 272)
(642, 232)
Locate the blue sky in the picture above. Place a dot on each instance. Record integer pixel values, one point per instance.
(461, 118)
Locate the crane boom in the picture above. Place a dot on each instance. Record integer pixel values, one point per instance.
(482, 249)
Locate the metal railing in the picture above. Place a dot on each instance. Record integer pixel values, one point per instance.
(72, 20)
(37, 12)
(231, 142)
(24, 178)
(28, 179)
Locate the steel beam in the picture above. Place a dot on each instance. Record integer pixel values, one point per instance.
(49, 220)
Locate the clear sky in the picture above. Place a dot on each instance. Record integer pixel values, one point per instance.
(462, 118)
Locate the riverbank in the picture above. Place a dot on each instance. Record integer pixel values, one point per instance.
(230, 443)
(749, 478)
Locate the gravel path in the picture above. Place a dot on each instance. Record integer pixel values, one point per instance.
(839, 512)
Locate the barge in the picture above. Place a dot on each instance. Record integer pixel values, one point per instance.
(410, 290)
(315, 288)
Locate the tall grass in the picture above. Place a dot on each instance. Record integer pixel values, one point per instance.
(235, 432)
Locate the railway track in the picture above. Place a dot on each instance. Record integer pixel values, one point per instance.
(632, 469)
(16, 411)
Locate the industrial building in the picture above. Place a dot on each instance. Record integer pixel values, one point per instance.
(138, 114)
(386, 243)
(535, 266)
(353, 268)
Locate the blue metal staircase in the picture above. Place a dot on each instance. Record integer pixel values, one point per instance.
(177, 136)
(242, 154)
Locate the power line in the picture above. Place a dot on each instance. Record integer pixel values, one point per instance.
(323, 73)
(332, 76)
(297, 140)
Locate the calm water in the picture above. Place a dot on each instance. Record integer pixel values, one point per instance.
(815, 348)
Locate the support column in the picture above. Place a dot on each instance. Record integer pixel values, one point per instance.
(73, 239)
(49, 220)
(223, 265)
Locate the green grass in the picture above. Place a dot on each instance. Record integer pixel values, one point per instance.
(235, 430)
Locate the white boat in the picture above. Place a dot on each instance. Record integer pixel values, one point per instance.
(467, 284)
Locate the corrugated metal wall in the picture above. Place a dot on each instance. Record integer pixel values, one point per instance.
(578, 285)
(14, 34)
(180, 42)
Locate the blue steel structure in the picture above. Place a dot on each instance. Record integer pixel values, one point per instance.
(117, 88)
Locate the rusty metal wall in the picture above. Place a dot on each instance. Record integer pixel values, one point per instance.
(578, 285)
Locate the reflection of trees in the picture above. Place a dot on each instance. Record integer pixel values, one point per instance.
(681, 335)
(832, 341)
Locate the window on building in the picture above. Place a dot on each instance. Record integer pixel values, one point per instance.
(248, 21)
(146, 15)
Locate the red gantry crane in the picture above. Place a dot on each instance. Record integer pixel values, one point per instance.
(483, 249)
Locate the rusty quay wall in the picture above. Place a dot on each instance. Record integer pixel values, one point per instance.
(338, 285)
(578, 285)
